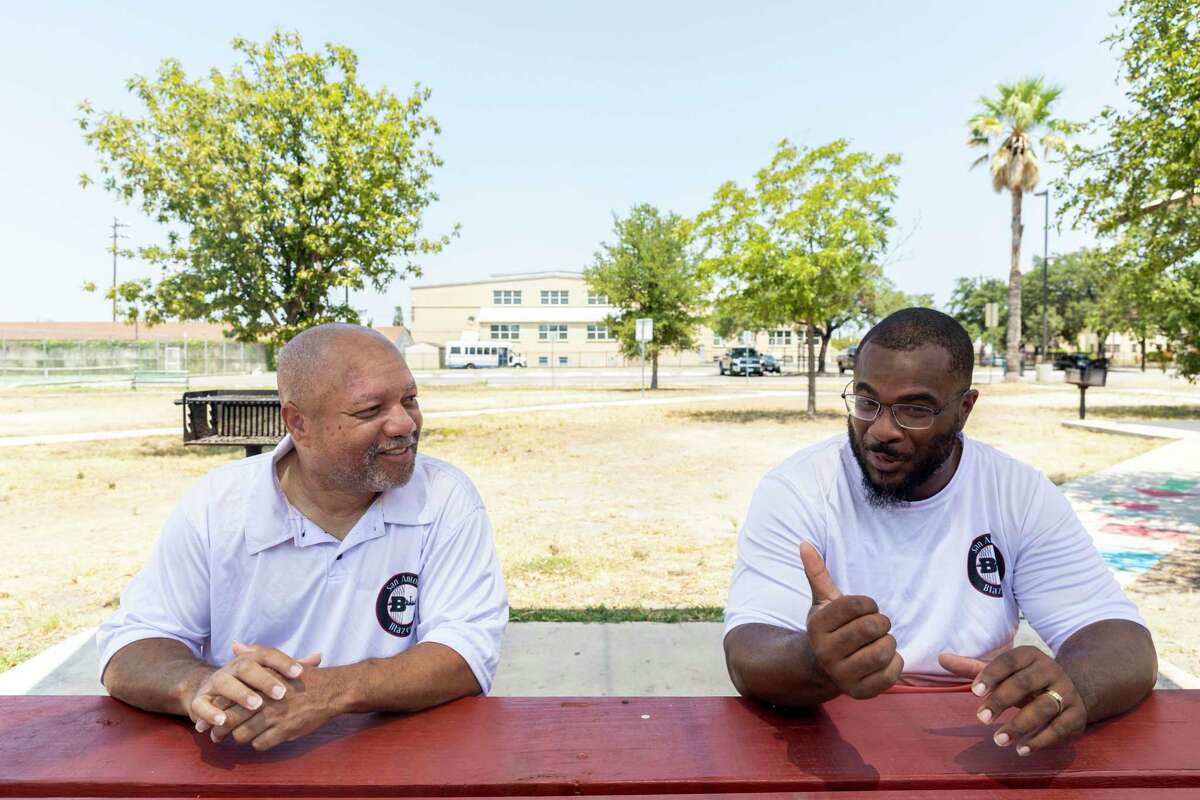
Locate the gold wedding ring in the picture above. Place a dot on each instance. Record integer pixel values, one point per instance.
(1057, 698)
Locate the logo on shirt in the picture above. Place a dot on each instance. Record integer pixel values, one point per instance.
(396, 606)
(985, 566)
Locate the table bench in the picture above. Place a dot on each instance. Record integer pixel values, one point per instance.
(894, 746)
(246, 418)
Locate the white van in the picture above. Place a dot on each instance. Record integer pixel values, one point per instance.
(472, 355)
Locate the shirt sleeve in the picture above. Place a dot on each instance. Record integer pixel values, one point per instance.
(769, 585)
(463, 603)
(1060, 581)
(169, 598)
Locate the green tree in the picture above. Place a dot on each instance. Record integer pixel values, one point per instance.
(1138, 184)
(797, 247)
(1005, 126)
(885, 299)
(968, 305)
(280, 181)
(647, 271)
(1076, 288)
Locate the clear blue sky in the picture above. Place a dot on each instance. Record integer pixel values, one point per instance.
(557, 114)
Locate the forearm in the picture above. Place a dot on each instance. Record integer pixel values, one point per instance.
(1113, 665)
(425, 675)
(776, 666)
(155, 675)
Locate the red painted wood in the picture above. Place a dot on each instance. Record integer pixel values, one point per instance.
(558, 746)
(883, 794)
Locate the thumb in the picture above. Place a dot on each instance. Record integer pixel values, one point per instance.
(311, 661)
(819, 579)
(961, 665)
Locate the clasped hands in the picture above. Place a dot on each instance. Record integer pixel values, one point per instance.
(851, 642)
(263, 697)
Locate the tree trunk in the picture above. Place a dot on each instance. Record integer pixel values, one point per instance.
(654, 370)
(1143, 345)
(1013, 353)
(825, 337)
(812, 371)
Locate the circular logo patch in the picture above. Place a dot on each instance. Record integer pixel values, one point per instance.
(396, 606)
(985, 566)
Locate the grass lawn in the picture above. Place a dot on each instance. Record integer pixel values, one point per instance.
(599, 513)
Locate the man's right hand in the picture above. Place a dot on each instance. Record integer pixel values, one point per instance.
(848, 635)
(255, 670)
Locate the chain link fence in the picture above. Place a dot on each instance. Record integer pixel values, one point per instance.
(24, 362)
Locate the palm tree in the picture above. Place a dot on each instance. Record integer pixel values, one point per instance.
(1007, 123)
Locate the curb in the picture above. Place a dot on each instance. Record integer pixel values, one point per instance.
(26, 675)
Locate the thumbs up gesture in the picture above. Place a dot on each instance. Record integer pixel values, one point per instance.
(848, 635)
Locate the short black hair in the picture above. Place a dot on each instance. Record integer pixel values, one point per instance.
(910, 328)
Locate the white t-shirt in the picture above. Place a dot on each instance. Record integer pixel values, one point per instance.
(952, 572)
(237, 561)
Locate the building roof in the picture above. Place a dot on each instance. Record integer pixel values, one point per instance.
(506, 276)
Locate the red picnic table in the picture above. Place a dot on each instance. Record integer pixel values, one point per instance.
(894, 746)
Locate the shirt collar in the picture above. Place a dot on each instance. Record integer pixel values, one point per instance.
(271, 520)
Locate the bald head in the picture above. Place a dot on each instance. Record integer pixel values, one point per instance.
(313, 361)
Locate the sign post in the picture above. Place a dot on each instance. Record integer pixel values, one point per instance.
(991, 320)
(644, 332)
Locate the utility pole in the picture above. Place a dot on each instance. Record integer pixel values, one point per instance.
(1045, 262)
(116, 234)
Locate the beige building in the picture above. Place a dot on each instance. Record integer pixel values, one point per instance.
(552, 318)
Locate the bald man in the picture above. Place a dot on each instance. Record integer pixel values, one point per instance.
(342, 572)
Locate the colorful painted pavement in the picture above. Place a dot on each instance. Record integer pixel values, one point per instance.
(1142, 509)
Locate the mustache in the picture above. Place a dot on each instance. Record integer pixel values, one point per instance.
(885, 449)
(392, 444)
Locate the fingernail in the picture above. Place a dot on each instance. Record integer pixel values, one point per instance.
(220, 719)
(277, 692)
(294, 670)
(979, 690)
(985, 715)
(1001, 739)
(213, 736)
(201, 726)
(1023, 750)
(253, 701)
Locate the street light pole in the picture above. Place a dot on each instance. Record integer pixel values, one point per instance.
(1045, 262)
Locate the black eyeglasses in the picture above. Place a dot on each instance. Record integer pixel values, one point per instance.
(907, 415)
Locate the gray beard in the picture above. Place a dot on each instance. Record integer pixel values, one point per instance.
(941, 448)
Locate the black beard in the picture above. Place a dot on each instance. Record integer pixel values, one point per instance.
(941, 448)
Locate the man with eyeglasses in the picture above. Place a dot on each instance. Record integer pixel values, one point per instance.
(902, 555)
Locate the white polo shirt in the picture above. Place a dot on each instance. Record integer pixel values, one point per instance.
(237, 561)
(953, 572)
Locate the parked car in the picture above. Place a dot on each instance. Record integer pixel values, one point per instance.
(740, 361)
(845, 361)
(770, 364)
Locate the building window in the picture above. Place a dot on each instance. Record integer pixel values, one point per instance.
(554, 297)
(510, 332)
(552, 333)
(543, 361)
(562, 361)
(599, 333)
(1112, 348)
(718, 341)
(597, 299)
(779, 337)
(506, 297)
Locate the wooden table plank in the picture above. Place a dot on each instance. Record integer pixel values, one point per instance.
(883, 794)
(595, 746)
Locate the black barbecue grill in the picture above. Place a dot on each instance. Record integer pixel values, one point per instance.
(239, 417)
